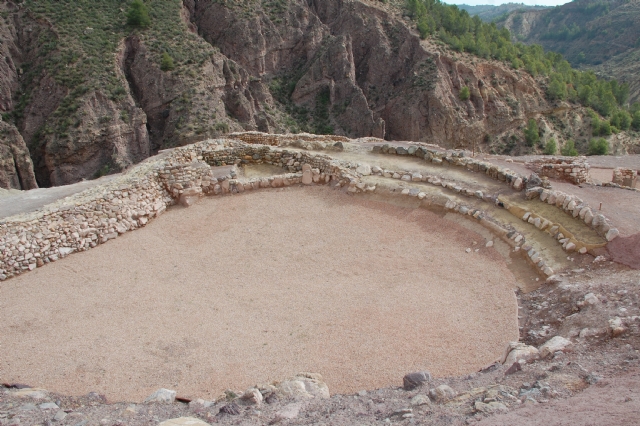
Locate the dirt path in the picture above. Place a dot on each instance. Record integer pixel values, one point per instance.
(254, 288)
(16, 202)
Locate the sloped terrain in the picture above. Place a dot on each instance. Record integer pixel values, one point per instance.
(89, 95)
(591, 34)
(490, 12)
(578, 330)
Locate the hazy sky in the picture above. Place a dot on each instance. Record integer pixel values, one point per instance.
(499, 2)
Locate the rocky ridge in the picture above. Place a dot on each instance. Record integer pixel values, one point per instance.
(298, 65)
(590, 34)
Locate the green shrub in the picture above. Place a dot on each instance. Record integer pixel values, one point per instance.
(222, 127)
(551, 147)
(621, 120)
(166, 64)
(635, 123)
(531, 133)
(569, 149)
(465, 94)
(605, 128)
(138, 14)
(598, 147)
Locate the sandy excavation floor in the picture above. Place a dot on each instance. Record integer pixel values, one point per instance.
(254, 288)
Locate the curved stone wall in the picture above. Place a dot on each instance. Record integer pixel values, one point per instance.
(128, 202)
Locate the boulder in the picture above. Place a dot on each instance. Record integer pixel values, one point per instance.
(612, 234)
(304, 385)
(252, 396)
(517, 184)
(307, 174)
(555, 344)
(520, 352)
(442, 393)
(364, 169)
(413, 380)
(490, 408)
(419, 400)
(533, 181)
(164, 396)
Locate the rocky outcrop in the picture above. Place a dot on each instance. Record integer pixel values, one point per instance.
(381, 79)
(16, 168)
(347, 67)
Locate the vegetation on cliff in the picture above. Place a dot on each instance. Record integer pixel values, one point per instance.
(465, 33)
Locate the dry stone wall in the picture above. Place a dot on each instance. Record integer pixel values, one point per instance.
(102, 213)
(566, 168)
(184, 174)
(456, 158)
(570, 169)
(279, 140)
(80, 222)
(625, 177)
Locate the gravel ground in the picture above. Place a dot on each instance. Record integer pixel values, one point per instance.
(614, 401)
(256, 288)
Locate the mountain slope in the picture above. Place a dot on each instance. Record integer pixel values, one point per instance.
(489, 12)
(589, 33)
(89, 94)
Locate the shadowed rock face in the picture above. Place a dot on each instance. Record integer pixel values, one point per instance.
(382, 79)
(16, 169)
(352, 67)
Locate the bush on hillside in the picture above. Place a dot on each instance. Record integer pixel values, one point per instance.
(569, 149)
(551, 147)
(598, 147)
(166, 64)
(635, 123)
(531, 133)
(465, 94)
(138, 14)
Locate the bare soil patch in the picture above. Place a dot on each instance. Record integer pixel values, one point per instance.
(626, 250)
(258, 287)
(614, 401)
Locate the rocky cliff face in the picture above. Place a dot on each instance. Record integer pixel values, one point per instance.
(381, 79)
(350, 67)
(16, 168)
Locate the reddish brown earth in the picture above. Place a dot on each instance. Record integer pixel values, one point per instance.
(613, 401)
(626, 250)
(250, 289)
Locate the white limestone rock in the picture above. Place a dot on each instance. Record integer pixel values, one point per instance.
(555, 344)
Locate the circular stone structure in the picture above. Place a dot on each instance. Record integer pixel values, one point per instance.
(250, 289)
